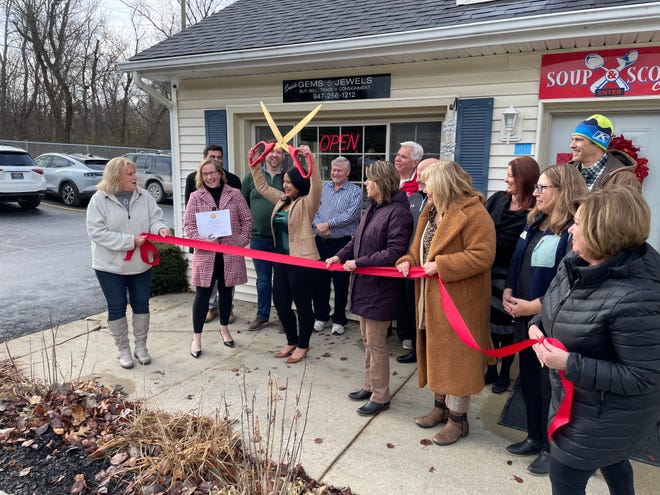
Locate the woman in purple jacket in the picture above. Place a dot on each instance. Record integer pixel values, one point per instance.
(381, 238)
(212, 194)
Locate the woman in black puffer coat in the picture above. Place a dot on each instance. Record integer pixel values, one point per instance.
(604, 306)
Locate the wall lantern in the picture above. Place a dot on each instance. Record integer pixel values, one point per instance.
(511, 126)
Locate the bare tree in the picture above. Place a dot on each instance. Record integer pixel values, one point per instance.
(59, 76)
(164, 16)
(54, 30)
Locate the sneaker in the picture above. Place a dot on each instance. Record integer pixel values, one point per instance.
(337, 329)
(407, 344)
(319, 325)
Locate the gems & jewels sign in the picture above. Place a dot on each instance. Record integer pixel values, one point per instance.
(337, 88)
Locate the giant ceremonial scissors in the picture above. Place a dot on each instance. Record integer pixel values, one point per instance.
(283, 142)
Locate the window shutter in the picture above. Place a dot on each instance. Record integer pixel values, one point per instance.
(216, 130)
(473, 134)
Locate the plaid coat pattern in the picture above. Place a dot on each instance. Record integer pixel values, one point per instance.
(241, 225)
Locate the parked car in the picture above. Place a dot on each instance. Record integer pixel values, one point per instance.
(21, 180)
(72, 177)
(154, 171)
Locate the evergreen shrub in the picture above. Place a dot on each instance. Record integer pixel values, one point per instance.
(170, 274)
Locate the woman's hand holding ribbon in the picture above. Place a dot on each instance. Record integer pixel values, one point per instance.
(404, 268)
(138, 240)
(430, 268)
(332, 261)
(350, 265)
(551, 356)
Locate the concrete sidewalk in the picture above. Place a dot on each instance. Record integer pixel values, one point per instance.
(380, 455)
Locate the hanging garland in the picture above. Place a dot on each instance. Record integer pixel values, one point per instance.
(620, 143)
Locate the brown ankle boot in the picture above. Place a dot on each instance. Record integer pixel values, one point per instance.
(457, 427)
(437, 415)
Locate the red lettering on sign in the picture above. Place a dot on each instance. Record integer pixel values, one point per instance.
(345, 142)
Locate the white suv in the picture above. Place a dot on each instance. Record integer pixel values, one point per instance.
(21, 180)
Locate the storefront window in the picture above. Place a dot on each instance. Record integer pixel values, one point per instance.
(361, 144)
(427, 134)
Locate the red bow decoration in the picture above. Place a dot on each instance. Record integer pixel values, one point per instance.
(146, 249)
(620, 143)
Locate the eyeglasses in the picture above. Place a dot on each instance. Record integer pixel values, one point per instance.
(209, 174)
(539, 188)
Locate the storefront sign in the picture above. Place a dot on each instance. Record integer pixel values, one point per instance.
(601, 73)
(337, 88)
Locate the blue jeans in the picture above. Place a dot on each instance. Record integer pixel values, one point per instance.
(115, 287)
(264, 271)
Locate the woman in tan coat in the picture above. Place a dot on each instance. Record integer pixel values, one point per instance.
(291, 224)
(455, 239)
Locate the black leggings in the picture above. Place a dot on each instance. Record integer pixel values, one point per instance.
(535, 387)
(570, 481)
(294, 284)
(203, 294)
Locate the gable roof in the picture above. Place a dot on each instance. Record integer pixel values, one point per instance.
(249, 33)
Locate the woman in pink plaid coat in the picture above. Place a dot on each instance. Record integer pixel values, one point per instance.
(213, 194)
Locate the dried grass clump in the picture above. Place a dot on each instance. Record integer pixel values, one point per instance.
(15, 385)
(158, 452)
(174, 451)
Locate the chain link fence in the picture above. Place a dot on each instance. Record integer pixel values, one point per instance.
(36, 148)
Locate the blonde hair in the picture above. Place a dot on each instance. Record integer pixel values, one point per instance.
(199, 182)
(572, 189)
(385, 177)
(112, 173)
(448, 182)
(614, 219)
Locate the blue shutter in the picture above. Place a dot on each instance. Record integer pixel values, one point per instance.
(216, 130)
(473, 133)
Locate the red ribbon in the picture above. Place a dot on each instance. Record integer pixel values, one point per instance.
(145, 249)
(451, 311)
(463, 332)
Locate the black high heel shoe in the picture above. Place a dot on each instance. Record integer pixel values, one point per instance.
(196, 354)
(228, 343)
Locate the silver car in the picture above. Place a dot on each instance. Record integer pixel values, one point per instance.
(154, 171)
(20, 178)
(72, 177)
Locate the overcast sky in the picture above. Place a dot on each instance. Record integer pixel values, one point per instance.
(119, 15)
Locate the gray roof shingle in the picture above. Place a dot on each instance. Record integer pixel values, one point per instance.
(254, 24)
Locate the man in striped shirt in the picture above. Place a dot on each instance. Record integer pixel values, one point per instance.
(334, 225)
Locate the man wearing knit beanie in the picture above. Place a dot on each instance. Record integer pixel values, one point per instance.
(599, 167)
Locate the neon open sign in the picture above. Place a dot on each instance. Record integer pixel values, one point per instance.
(345, 142)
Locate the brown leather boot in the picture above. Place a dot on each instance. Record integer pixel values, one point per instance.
(437, 415)
(457, 427)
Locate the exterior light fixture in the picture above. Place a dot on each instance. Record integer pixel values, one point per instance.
(511, 125)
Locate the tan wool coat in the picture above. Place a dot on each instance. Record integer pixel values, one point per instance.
(301, 213)
(463, 248)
